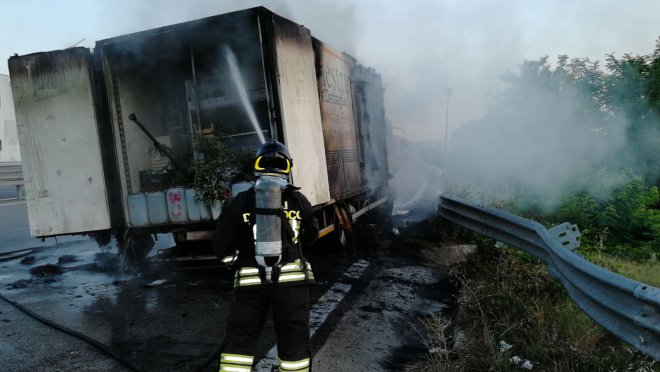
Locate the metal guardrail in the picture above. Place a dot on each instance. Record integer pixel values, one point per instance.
(627, 308)
(11, 174)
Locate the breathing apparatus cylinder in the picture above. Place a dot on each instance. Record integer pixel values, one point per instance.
(268, 247)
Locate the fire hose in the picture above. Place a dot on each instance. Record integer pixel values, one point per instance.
(104, 349)
(71, 332)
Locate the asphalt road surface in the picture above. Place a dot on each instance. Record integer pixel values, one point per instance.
(161, 316)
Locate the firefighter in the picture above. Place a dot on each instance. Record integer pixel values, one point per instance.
(263, 231)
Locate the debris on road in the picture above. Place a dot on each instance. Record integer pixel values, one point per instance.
(156, 283)
(68, 258)
(46, 270)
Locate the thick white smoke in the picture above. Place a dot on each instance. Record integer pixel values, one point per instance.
(419, 48)
(541, 142)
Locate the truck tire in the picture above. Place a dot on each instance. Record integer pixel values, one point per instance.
(134, 246)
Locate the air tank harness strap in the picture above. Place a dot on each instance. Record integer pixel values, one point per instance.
(276, 212)
(269, 211)
(303, 260)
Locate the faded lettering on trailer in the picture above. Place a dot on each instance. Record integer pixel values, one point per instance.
(339, 127)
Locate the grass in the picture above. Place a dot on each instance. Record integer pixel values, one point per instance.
(645, 271)
(511, 316)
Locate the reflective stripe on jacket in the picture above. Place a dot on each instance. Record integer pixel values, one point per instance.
(291, 272)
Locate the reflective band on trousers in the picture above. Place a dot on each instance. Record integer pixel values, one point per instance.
(249, 281)
(235, 363)
(300, 365)
(235, 369)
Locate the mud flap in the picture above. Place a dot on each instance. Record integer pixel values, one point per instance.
(343, 234)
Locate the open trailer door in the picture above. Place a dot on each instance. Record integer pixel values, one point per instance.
(59, 142)
(300, 114)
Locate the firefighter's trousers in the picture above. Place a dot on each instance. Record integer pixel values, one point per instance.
(247, 316)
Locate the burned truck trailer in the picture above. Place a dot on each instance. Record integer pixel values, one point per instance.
(89, 169)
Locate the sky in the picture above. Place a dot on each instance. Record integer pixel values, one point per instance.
(420, 47)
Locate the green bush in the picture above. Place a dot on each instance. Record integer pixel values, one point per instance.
(211, 164)
(629, 220)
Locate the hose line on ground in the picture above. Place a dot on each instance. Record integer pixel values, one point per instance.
(8, 256)
(73, 333)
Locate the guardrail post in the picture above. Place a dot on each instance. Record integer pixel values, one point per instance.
(20, 192)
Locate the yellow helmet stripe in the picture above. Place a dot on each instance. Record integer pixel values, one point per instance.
(256, 164)
(258, 167)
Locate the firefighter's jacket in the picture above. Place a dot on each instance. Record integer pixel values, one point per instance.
(234, 240)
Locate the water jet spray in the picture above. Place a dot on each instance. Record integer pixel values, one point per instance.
(242, 92)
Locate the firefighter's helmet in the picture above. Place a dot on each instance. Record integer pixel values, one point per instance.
(273, 159)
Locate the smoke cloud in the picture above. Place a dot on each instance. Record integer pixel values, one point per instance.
(544, 139)
(420, 48)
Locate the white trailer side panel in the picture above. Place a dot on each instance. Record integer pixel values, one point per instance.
(60, 151)
(9, 150)
(301, 116)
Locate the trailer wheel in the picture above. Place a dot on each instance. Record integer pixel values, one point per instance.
(134, 246)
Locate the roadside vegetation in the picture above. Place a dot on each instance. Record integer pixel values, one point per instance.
(509, 314)
(571, 141)
(620, 233)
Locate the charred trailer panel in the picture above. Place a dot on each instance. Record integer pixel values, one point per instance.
(374, 130)
(339, 126)
(248, 76)
(180, 80)
(59, 142)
